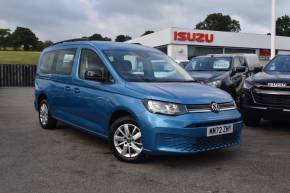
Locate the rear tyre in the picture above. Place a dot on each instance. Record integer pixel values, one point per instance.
(45, 119)
(251, 120)
(126, 140)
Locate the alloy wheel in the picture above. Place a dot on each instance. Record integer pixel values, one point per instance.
(127, 140)
(43, 114)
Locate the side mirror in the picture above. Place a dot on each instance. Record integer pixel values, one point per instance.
(258, 69)
(244, 64)
(96, 75)
(240, 69)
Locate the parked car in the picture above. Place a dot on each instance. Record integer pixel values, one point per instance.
(115, 91)
(267, 94)
(225, 71)
(250, 60)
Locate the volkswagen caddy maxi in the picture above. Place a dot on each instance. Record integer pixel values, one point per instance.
(134, 96)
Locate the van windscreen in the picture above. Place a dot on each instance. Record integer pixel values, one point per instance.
(146, 66)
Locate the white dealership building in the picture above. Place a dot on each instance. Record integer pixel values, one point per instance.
(183, 44)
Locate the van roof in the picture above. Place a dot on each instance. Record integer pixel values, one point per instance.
(103, 45)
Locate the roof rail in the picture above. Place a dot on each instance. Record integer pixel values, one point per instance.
(137, 43)
(72, 40)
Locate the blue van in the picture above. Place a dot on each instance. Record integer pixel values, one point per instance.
(134, 96)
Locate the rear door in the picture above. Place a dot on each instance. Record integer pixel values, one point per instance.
(44, 82)
(62, 80)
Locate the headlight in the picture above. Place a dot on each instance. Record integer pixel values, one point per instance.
(164, 107)
(216, 83)
(247, 85)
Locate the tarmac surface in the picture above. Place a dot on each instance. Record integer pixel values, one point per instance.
(66, 160)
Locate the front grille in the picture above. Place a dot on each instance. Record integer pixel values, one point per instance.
(178, 142)
(207, 107)
(187, 144)
(274, 100)
(209, 143)
(213, 123)
(248, 98)
(266, 87)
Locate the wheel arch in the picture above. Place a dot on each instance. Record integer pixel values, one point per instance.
(120, 113)
(40, 97)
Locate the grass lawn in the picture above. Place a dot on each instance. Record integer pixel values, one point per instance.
(19, 57)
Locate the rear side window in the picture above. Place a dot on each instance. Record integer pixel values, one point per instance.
(46, 66)
(64, 62)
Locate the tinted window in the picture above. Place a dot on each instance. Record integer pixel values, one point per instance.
(64, 62)
(194, 51)
(238, 51)
(279, 64)
(90, 61)
(47, 60)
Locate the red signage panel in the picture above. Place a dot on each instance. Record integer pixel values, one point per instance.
(193, 37)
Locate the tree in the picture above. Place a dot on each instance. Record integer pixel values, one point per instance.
(47, 43)
(99, 37)
(39, 46)
(122, 38)
(23, 37)
(4, 38)
(219, 22)
(283, 26)
(147, 32)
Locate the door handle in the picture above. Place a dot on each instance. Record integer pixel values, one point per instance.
(77, 90)
(67, 88)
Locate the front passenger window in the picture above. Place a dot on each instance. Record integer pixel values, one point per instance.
(90, 61)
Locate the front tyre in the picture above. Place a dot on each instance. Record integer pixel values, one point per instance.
(45, 119)
(126, 140)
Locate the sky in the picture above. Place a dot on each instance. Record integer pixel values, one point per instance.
(64, 19)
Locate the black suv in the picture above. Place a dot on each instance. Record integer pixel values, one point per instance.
(267, 93)
(227, 72)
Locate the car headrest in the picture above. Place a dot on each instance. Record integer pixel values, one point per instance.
(125, 66)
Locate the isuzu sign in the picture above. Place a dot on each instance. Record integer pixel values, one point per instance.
(193, 37)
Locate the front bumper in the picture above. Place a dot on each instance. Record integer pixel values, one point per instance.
(187, 133)
(271, 113)
(250, 108)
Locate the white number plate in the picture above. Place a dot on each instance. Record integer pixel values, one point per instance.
(219, 130)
